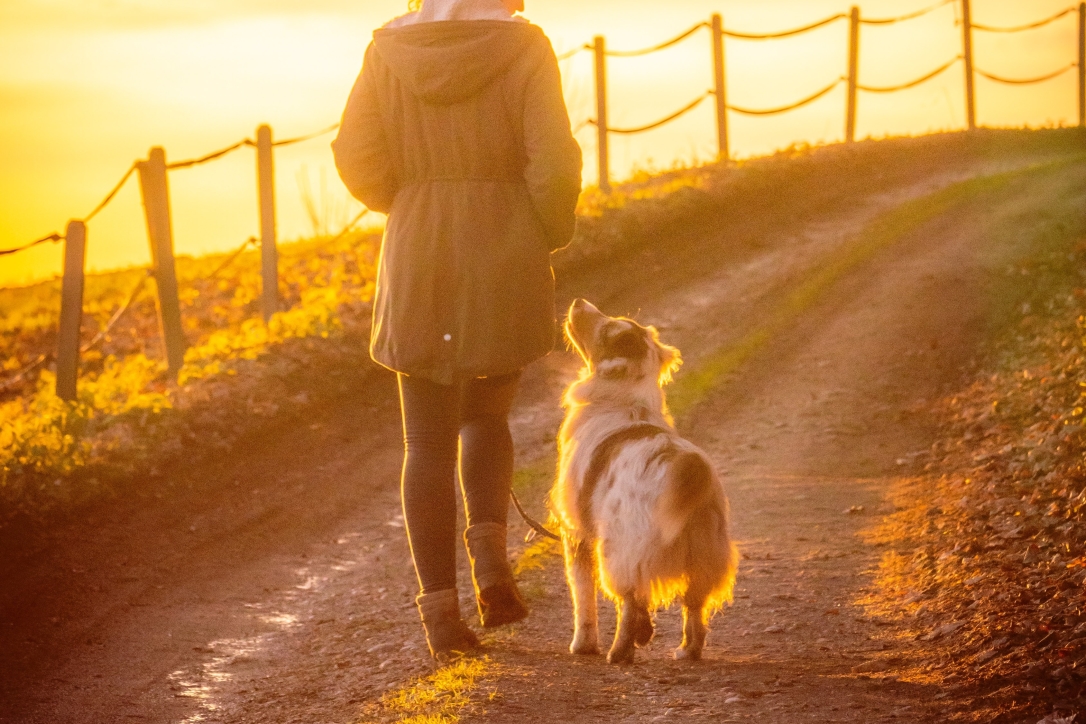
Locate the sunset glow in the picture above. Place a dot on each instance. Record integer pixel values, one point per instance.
(88, 86)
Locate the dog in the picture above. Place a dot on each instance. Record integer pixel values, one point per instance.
(644, 514)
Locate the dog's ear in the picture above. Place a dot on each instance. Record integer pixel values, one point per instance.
(670, 358)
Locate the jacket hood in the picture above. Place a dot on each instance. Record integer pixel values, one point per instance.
(436, 10)
(447, 62)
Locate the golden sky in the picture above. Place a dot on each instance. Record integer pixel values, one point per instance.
(88, 86)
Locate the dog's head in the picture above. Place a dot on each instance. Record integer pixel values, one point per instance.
(617, 347)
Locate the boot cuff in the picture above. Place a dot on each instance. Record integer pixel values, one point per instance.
(439, 605)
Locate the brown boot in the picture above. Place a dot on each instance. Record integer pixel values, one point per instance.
(446, 633)
(499, 599)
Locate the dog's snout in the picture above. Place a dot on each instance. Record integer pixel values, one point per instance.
(582, 306)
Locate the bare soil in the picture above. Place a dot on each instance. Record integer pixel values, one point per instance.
(274, 585)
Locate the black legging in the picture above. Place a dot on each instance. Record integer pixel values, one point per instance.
(434, 417)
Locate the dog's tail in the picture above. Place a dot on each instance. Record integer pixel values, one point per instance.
(689, 485)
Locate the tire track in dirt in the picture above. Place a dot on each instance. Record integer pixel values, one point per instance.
(266, 588)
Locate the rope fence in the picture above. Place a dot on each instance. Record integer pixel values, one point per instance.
(1026, 81)
(789, 107)
(209, 157)
(307, 137)
(910, 16)
(785, 33)
(912, 83)
(152, 172)
(112, 194)
(570, 53)
(851, 79)
(681, 112)
(1020, 28)
(45, 239)
(662, 46)
(154, 191)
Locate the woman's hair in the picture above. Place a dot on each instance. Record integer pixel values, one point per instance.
(414, 5)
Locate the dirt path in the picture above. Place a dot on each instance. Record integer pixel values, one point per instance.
(274, 587)
(821, 423)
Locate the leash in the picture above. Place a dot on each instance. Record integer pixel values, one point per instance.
(534, 524)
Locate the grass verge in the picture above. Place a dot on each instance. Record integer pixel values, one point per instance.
(441, 698)
(130, 422)
(693, 386)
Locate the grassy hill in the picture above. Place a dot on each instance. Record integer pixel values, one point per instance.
(240, 375)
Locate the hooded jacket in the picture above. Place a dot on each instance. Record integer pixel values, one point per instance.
(459, 132)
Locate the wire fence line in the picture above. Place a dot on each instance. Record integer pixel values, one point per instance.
(251, 241)
(98, 338)
(116, 316)
(12, 383)
(350, 225)
(84, 348)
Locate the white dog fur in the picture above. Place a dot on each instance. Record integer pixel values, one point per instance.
(643, 512)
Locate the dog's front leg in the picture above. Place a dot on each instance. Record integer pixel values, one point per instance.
(581, 574)
(634, 629)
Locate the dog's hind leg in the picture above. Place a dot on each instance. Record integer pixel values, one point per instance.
(643, 628)
(694, 626)
(580, 559)
(634, 629)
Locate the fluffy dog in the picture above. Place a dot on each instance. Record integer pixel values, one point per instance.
(643, 513)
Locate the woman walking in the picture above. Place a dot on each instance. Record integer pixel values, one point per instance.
(456, 128)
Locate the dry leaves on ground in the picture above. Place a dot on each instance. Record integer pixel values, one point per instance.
(989, 558)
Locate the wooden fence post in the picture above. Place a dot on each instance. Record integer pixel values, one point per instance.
(154, 188)
(967, 54)
(1082, 65)
(71, 310)
(853, 73)
(721, 90)
(269, 253)
(600, 48)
